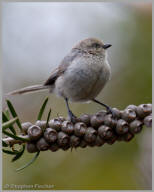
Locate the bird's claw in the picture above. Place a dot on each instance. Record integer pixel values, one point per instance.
(109, 110)
(72, 117)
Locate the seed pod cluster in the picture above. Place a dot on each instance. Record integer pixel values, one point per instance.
(88, 130)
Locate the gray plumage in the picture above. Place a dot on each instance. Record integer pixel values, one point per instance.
(28, 89)
(81, 75)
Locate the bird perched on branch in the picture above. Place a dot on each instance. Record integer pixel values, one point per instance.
(81, 75)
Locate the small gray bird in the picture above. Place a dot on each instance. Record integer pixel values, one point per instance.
(81, 75)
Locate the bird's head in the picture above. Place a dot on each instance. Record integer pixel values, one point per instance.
(92, 46)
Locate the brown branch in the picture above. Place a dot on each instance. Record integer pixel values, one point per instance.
(89, 130)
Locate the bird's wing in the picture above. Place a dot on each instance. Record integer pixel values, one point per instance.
(57, 72)
(62, 67)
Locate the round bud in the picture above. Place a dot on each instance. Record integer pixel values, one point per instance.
(80, 129)
(99, 141)
(102, 113)
(25, 126)
(50, 135)
(127, 137)
(63, 139)
(41, 124)
(42, 145)
(31, 147)
(117, 113)
(74, 141)
(97, 120)
(128, 115)
(67, 127)
(105, 132)
(54, 147)
(120, 137)
(34, 132)
(122, 126)
(148, 121)
(111, 140)
(55, 124)
(132, 107)
(61, 118)
(85, 118)
(144, 110)
(65, 147)
(90, 135)
(135, 126)
(92, 144)
(83, 144)
(109, 121)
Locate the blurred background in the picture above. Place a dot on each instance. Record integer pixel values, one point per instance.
(36, 37)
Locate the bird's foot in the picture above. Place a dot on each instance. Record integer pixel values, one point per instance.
(111, 111)
(72, 117)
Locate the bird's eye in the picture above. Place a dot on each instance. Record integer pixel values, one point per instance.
(96, 45)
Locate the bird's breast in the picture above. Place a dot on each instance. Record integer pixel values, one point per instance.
(83, 79)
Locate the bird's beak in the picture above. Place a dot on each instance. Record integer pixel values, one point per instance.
(106, 46)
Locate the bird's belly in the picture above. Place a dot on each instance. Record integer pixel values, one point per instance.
(80, 84)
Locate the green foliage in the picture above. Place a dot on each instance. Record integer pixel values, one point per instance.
(19, 154)
(13, 112)
(39, 117)
(14, 136)
(29, 163)
(10, 152)
(5, 118)
(48, 117)
(4, 144)
(8, 124)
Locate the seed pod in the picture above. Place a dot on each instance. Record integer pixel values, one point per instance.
(97, 120)
(80, 129)
(74, 141)
(25, 126)
(63, 139)
(128, 115)
(105, 132)
(41, 124)
(90, 135)
(92, 144)
(135, 126)
(55, 124)
(144, 110)
(61, 118)
(85, 118)
(111, 140)
(109, 121)
(65, 147)
(50, 135)
(67, 127)
(42, 145)
(83, 143)
(122, 126)
(117, 113)
(148, 121)
(120, 137)
(102, 113)
(132, 107)
(127, 137)
(54, 147)
(31, 147)
(34, 132)
(99, 141)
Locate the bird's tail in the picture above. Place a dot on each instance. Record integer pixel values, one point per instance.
(29, 89)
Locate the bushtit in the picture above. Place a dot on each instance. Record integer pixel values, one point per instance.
(81, 75)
